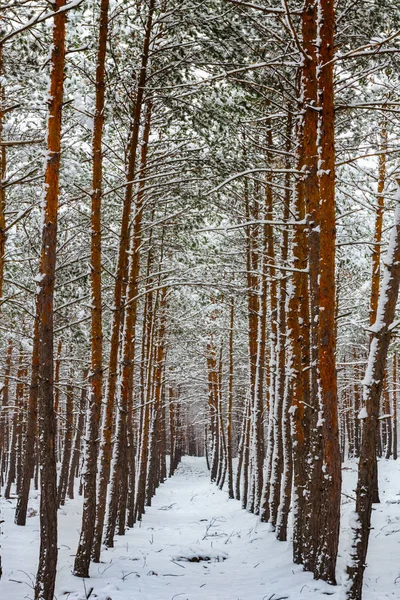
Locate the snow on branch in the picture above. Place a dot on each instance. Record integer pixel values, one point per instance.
(39, 19)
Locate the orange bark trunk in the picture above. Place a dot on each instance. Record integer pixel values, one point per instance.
(82, 559)
(2, 177)
(119, 285)
(329, 519)
(46, 574)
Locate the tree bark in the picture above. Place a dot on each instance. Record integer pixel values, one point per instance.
(372, 389)
(106, 451)
(82, 558)
(12, 461)
(329, 516)
(230, 400)
(376, 270)
(3, 165)
(395, 406)
(309, 134)
(147, 366)
(46, 574)
(67, 444)
(5, 419)
(79, 429)
(298, 324)
(57, 438)
(283, 384)
(125, 383)
(30, 437)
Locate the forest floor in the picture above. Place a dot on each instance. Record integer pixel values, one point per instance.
(190, 519)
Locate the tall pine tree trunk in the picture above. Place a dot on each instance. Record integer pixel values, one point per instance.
(30, 436)
(2, 177)
(298, 323)
(46, 574)
(230, 400)
(394, 406)
(67, 444)
(309, 133)
(372, 389)
(76, 450)
(106, 452)
(4, 421)
(329, 517)
(82, 558)
(376, 272)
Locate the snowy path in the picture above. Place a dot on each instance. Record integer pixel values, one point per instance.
(191, 517)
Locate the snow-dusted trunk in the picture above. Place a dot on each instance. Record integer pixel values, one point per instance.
(30, 434)
(129, 339)
(356, 407)
(67, 444)
(57, 410)
(13, 454)
(275, 444)
(163, 436)
(125, 380)
(147, 384)
(387, 420)
(158, 371)
(120, 282)
(372, 388)
(179, 441)
(267, 257)
(21, 413)
(329, 515)
(131, 459)
(298, 325)
(3, 233)
(4, 420)
(252, 472)
(246, 458)
(245, 417)
(82, 558)
(46, 574)
(394, 406)
(284, 384)
(222, 466)
(257, 441)
(380, 206)
(213, 398)
(376, 267)
(265, 504)
(172, 432)
(149, 483)
(221, 432)
(76, 450)
(287, 475)
(298, 360)
(308, 131)
(214, 412)
(347, 430)
(230, 400)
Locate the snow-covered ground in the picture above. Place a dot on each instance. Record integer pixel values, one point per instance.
(191, 519)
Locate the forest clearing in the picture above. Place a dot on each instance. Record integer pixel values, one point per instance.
(199, 299)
